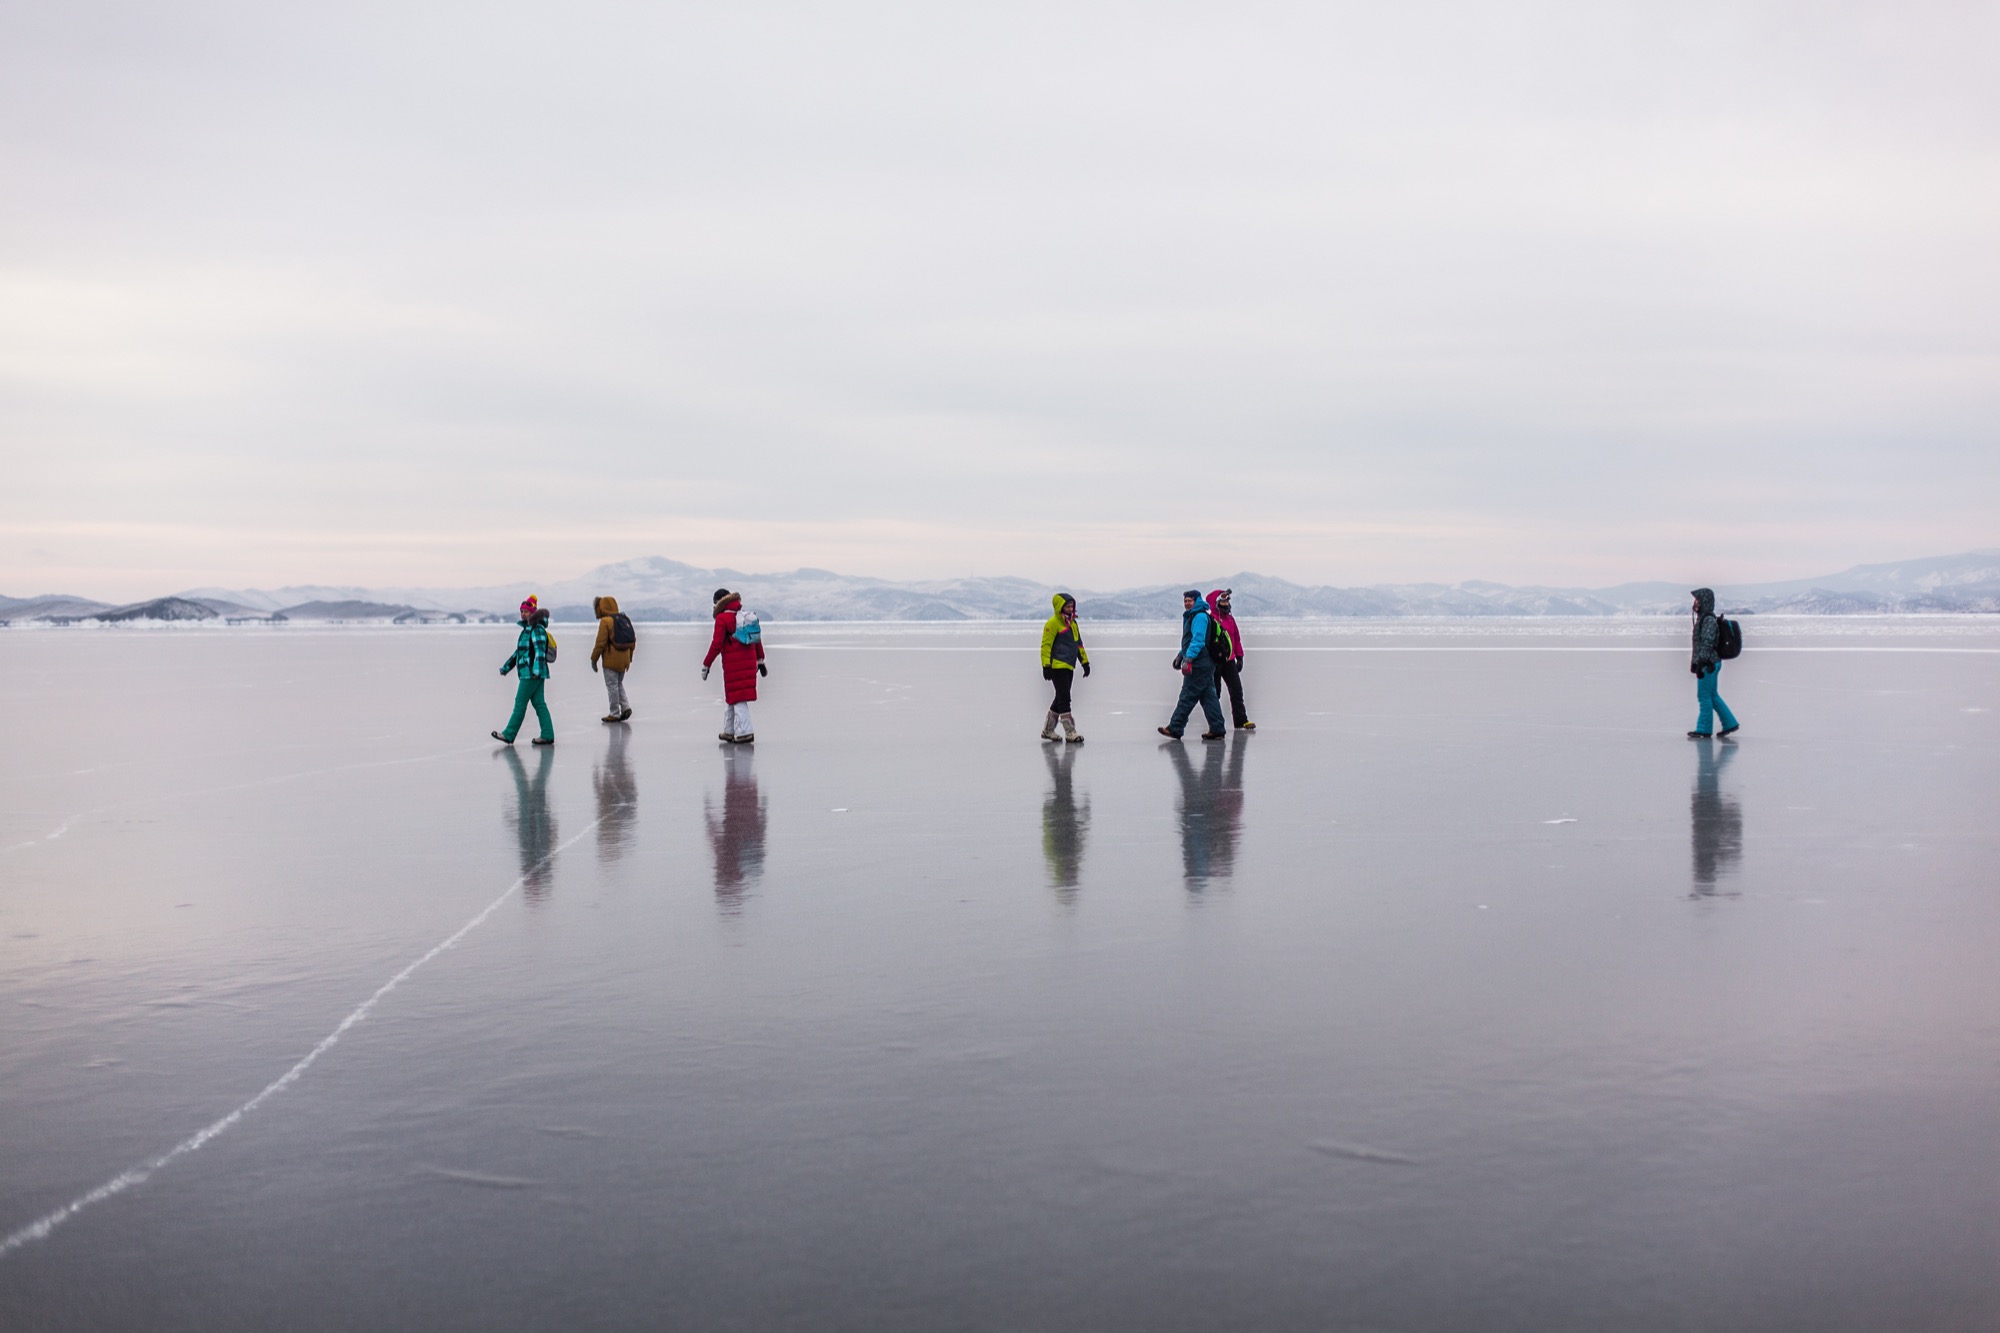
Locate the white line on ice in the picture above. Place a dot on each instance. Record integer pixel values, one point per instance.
(138, 1175)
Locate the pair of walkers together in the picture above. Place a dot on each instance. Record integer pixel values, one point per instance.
(1210, 657)
(738, 640)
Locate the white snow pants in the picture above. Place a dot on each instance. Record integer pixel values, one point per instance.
(736, 720)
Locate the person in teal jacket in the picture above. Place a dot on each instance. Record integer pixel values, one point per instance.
(1062, 654)
(530, 664)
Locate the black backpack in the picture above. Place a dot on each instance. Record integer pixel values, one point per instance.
(1218, 641)
(622, 634)
(1728, 638)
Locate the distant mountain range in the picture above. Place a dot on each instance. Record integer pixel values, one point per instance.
(656, 589)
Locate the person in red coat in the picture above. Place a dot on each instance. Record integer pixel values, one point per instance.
(742, 663)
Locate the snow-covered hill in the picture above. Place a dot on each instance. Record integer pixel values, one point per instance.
(655, 588)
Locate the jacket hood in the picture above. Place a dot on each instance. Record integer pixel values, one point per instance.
(604, 606)
(1060, 600)
(1704, 601)
(729, 603)
(1212, 599)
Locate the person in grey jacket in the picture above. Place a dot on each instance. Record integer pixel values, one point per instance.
(1706, 665)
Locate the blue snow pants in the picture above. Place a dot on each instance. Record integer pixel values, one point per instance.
(1198, 686)
(1705, 694)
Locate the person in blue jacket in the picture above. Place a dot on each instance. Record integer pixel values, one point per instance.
(1201, 647)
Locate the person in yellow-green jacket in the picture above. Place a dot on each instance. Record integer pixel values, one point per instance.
(1062, 654)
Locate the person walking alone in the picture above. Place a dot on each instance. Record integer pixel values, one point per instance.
(616, 642)
(1062, 654)
(1229, 671)
(533, 651)
(1707, 667)
(1201, 648)
(742, 663)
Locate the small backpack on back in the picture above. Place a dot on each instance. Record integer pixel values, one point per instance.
(748, 629)
(1728, 638)
(1218, 641)
(622, 634)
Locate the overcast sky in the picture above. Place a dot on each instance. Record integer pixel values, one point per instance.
(1099, 293)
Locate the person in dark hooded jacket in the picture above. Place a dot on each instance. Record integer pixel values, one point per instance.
(1706, 664)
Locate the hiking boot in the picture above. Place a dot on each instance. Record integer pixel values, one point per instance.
(1730, 731)
(746, 738)
(1170, 735)
(729, 736)
(504, 740)
(1049, 726)
(544, 740)
(1701, 735)
(1213, 735)
(1070, 732)
(1246, 726)
(611, 717)
(624, 715)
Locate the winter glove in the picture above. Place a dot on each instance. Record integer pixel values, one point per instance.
(762, 670)
(1179, 662)
(1694, 668)
(1048, 673)
(1188, 670)
(593, 668)
(704, 673)
(1086, 668)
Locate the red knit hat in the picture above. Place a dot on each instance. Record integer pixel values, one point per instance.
(529, 607)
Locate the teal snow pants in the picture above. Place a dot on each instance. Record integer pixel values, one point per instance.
(529, 691)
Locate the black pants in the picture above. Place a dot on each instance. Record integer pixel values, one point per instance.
(1229, 675)
(1062, 682)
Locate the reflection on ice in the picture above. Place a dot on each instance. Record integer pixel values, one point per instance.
(736, 834)
(1211, 809)
(1715, 821)
(1064, 824)
(617, 797)
(534, 824)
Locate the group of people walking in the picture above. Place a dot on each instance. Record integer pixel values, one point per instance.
(1209, 657)
(738, 640)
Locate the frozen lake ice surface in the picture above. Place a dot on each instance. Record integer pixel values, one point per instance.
(1464, 993)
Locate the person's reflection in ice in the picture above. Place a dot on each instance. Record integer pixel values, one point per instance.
(1211, 810)
(534, 824)
(1065, 824)
(1715, 821)
(736, 833)
(617, 798)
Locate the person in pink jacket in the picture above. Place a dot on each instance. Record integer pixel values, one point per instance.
(1229, 675)
(742, 663)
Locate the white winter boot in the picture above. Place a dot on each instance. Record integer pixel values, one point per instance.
(1049, 727)
(1070, 732)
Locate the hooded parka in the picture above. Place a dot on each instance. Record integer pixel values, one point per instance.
(1062, 645)
(613, 657)
(739, 660)
(1707, 633)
